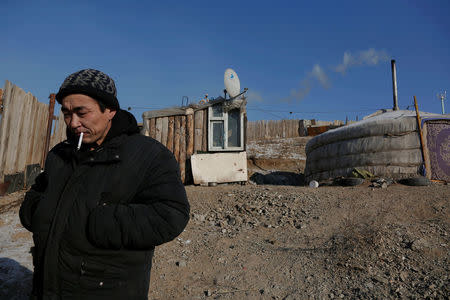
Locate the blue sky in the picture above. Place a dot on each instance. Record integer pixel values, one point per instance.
(317, 59)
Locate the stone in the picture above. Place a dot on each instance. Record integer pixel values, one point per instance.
(419, 244)
(403, 276)
(199, 217)
(380, 279)
(181, 263)
(369, 285)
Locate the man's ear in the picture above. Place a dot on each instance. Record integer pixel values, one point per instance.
(111, 113)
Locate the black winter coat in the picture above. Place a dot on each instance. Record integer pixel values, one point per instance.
(96, 216)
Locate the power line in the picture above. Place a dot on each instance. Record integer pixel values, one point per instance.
(311, 112)
(269, 112)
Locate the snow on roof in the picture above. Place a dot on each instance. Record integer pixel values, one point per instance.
(383, 115)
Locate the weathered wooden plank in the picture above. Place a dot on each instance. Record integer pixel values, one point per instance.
(42, 128)
(25, 133)
(189, 135)
(182, 160)
(293, 123)
(170, 133)
(288, 129)
(146, 127)
(176, 138)
(38, 143)
(189, 146)
(168, 112)
(33, 137)
(8, 116)
(152, 128)
(198, 127)
(4, 127)
(158, 129)
(291, 128)
(296, 128)
(14, 129)
(36, 155)
(30, 147)
(164, 130)
(59, 131)
(249, 130)
(262, 132)
(205, 131)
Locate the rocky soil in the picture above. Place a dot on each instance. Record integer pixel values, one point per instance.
(286, 242)
(273, 242)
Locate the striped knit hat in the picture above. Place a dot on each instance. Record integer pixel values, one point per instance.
(92, 83)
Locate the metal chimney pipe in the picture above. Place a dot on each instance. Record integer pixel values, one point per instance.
(394, 83)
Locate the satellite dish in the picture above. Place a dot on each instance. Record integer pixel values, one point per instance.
(232, 83)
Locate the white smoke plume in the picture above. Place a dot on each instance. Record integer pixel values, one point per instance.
(368, 57)
(306, 84)
(253, 96)
(320, 75)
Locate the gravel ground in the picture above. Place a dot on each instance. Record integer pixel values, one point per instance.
(277, 242)
(284, 241)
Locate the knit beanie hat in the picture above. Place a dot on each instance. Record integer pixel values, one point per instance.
(92, 83)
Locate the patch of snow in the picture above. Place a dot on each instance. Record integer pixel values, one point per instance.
(15, 260)
(275, 148)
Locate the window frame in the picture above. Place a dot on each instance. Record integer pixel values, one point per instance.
(224, 119)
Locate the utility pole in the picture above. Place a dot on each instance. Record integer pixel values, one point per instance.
(442, 96)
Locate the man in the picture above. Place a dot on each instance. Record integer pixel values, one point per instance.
(97, 213)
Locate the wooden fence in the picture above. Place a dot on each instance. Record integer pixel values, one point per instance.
(23, 128)
(263, 129)
(257, 130)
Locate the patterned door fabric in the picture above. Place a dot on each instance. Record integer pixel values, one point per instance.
(438, 143)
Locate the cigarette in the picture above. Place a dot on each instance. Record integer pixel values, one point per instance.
(79, 141)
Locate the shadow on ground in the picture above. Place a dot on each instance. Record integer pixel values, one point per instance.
(15, 280)
(279, 178)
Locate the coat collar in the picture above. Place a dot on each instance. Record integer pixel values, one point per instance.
(123, 124)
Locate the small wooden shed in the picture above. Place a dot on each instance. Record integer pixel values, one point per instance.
(216, 126)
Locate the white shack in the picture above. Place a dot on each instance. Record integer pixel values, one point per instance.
(208, 140)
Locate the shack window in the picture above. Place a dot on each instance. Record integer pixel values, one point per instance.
(226, 132)
(234, 137)
(217, 134)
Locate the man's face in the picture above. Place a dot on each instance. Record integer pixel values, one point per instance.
(82, 114)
